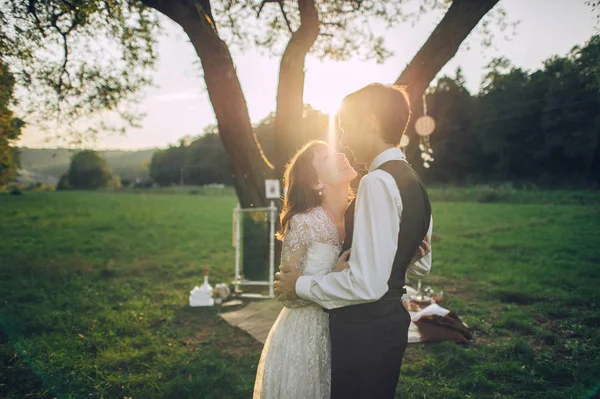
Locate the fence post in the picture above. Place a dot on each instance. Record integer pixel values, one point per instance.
(237, 223)
(272, 216)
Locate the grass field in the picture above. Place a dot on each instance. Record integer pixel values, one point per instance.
(94, 288)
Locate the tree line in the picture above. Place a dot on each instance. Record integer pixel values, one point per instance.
(539, 127)
(204, 159)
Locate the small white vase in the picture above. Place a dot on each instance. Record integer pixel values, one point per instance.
(202, 296)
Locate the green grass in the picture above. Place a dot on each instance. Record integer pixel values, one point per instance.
(508, 193)
(94, 288)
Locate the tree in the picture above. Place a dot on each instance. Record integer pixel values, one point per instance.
(333, 29)
(10, 127)
(166, 165)
(503, 109)
(88, 171)
(203, 161)
(452, 106)
(206, 160)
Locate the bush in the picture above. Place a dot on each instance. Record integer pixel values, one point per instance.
(39, 187)
(502, 193)
(143, 184)
(486, 194)
(63, 182)
(114, 182)
(11, 188)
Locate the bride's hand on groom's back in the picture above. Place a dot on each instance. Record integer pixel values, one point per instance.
(422, 251)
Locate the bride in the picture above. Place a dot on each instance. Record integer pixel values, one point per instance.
(295, 362)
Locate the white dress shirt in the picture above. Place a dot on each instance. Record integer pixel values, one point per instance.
(374, 243)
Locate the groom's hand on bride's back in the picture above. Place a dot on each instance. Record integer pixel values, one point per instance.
(285, 282)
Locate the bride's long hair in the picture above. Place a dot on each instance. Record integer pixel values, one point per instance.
(299, 180)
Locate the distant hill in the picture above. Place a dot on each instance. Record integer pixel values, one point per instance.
(47, 164)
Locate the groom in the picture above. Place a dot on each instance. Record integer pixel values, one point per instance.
(384, 228)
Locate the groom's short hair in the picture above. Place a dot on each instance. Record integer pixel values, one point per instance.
(390, 104)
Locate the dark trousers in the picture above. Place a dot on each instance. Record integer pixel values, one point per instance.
(367, 346)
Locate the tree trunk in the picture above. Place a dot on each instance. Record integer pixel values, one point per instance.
(247, 162)
(290, 93)
(460, 19)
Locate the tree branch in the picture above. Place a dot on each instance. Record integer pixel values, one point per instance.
(290, 92)
(263, 4)
(55, 17)
(31, 9)
(280, 2)
(336, 24)
(460, 19)
(287, 21)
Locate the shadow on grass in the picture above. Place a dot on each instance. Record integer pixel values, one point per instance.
(220, 360)
(17, 380)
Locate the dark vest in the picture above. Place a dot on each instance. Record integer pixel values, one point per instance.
(414, 223)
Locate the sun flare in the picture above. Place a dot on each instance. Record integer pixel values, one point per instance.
(330, 106)
(331, 132)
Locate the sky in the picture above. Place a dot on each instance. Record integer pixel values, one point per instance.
(178, 105)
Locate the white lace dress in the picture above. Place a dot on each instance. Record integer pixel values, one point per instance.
(296, 359)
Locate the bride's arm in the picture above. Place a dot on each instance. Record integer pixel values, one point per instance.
(422, 267)
(295, 249)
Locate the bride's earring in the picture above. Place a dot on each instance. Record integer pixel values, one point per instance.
(319, 189)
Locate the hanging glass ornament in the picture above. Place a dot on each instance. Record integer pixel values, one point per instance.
(424, 126)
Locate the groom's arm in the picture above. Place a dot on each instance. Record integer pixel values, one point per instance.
(374, 244)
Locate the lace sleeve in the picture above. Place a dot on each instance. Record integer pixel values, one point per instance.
(295, 249)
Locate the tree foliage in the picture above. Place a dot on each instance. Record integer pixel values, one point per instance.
(347, 28)
(88, 171)
(10, 127)
(78, 58)
(541, 126)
